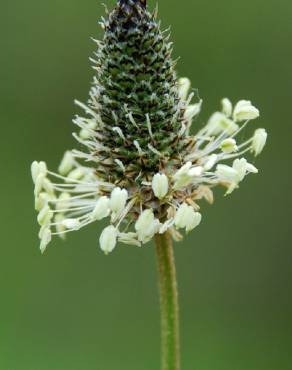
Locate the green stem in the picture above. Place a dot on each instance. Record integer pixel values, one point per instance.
(168, 303)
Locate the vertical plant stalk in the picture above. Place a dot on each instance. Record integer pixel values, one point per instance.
(170, 356)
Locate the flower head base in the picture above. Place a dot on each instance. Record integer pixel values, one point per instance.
(141, 169)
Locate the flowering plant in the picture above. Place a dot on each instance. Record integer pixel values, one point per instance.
(141, 168)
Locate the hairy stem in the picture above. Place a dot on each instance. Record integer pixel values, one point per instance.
(170, 357)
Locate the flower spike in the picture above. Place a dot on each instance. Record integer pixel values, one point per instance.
(141, 168)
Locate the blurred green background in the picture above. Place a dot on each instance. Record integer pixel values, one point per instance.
(76, 309)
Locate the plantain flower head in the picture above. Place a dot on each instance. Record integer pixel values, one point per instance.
(137, 166)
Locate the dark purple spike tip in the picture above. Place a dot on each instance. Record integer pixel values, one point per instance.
(133, 2)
